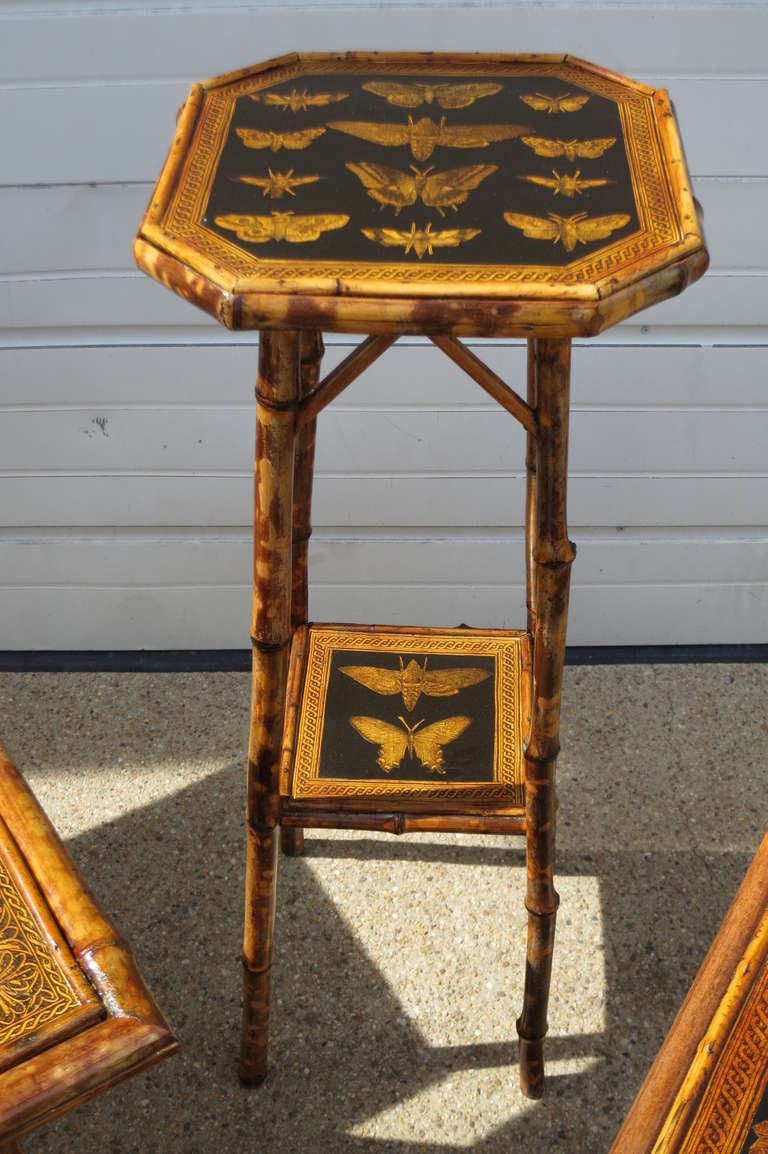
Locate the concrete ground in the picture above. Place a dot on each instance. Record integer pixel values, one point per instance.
(399, 962)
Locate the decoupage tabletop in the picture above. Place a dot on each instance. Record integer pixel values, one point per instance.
(529, 190)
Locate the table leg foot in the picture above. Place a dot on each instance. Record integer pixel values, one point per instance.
(253, 1050)
(532, 1067)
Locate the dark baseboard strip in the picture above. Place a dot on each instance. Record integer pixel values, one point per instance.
(126, 661)
(666, 654)
(239, 660)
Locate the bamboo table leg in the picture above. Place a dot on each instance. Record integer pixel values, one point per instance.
(550, 554)
(277, 397)
(292, 837)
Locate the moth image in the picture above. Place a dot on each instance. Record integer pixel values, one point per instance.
(446, 95)
(255, 138)
(566, 184)
(571, 149)
(299, 101)
(438, 190)
(421, 240)
(413, 679)
(424, 136)
(281, 226)
(426, 745)
(568, 102)
(276, 184)
(570, 230)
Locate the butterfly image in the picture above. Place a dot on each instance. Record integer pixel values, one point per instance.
(571, 149)
(299, 101)
(424, 135)
(276, 184)
(255, 138)
(446, 95)
(568, 102)
(761, 1134)
(281, 226)
(438, 190)
(426, 745)
(421, 240)
(569, 230)
(566, 184)
(413, 679)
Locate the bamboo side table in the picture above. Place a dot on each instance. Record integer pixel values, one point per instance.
(533, 197)
(707, 1090)
(75, 1015)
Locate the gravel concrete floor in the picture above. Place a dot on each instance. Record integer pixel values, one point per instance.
(399, 962)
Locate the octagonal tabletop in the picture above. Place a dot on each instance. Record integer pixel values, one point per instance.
(479, 195)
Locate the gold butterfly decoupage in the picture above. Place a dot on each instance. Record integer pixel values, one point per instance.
(409, 716)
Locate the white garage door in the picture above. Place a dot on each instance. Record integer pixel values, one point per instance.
(126, 418)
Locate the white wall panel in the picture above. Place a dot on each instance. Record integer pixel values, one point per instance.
(409, 374)
(395, 442)
(138, 41)
(76, 589)
(126, 416)
(192, 499)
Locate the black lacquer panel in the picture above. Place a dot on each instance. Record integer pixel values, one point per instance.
(568, 194)
(353, 709)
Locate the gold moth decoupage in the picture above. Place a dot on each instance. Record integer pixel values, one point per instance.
(412, 717)
(367, 172)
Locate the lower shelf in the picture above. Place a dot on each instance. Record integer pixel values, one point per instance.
(405, 721)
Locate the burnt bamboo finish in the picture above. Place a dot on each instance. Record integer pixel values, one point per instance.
(705, 1087)
(87, 1021)
(292, 837)
(277, 396)
(551, 556)
(614, 231)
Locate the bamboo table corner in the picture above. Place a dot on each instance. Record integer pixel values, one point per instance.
(448, 196)
(707, 1090)
(75, 1015)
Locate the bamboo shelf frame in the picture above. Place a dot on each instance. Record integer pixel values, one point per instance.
(479, 251)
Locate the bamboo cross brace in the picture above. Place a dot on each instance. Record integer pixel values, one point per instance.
(344, 374)
(488, 380)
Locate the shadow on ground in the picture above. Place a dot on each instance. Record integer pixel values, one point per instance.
(342, 1049)
(648, 864)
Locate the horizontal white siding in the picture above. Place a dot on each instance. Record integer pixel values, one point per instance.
(126, 416)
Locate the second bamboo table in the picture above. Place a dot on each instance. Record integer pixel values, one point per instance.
(534, 197)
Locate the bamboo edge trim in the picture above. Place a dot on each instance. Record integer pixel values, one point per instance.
(727, 1043)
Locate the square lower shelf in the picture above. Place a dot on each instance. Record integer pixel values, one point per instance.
(406, 719)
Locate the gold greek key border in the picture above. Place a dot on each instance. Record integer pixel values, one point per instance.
(725, 1113)
(508, 787)
(33, 990)
(655, 205)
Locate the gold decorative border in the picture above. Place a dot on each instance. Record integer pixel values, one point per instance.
(508, 787)
(33, 990)
(654, 201)
(725, 1113)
